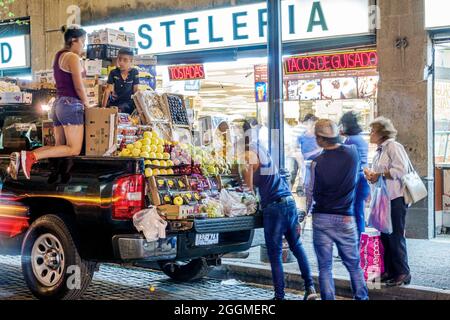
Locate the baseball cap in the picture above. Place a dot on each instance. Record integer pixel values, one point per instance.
(327, 129)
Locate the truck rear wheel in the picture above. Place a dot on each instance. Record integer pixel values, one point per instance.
(51, 264)
(186, 271)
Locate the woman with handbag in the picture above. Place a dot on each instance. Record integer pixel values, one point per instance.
(392, 163)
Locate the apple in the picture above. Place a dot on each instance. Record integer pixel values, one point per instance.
(178, 201)
(138, 145)
(160, 149)
(136, 153)
(148, 135)
(163, 172)
(166, 156)
(163, 163)
(170, 163)
(146, 142)
(170, 172)
(159, 156)
(148, 172)
(146, 148)
(156, 172)
(130, 147)
(154, 148)
(155, 141)
(155, 134)
(148, 162)
(126, 152)
(156, 163)
(144, 155)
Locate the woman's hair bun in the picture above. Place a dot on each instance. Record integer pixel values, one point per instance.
(63, 29)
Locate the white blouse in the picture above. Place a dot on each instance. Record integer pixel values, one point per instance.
(391, 157)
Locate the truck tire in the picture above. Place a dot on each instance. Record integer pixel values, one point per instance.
(51, 264)
(184, 272)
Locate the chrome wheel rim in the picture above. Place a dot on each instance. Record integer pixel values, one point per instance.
(48, 260)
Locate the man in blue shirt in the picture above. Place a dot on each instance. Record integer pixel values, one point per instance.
(123, 82)
(280, 215)
(330, 198)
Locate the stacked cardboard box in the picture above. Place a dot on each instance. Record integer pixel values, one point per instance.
(101, 131)
(113, 37)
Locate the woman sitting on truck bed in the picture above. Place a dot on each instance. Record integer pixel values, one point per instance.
(68, 109)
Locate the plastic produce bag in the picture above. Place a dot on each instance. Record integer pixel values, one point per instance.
(151, 224)
(213, 208)
(372, 253)
(232, 204)
(380, 208)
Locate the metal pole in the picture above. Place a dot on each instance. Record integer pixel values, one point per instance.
(276, 96)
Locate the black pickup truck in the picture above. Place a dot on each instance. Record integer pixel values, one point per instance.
(76, 213)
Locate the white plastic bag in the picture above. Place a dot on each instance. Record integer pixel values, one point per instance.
(151, 224)
(232, 204)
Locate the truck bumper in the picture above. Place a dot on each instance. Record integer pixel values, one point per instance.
(235, 235)
(135, 247)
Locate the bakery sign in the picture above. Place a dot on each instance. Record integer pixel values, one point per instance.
(246, 25)
(187, 72)
(357, 60)
(15, 52)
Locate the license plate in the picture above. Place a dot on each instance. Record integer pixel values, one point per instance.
(206, 239)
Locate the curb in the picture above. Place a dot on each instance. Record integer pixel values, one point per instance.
(262, 275)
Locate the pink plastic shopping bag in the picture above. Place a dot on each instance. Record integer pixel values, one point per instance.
(372, 253)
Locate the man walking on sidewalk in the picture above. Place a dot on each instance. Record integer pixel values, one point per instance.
(280, 216)
(331, 195)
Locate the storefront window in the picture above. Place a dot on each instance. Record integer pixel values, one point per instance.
(442, 104)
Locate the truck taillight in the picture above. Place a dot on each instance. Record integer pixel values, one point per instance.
(128, 197)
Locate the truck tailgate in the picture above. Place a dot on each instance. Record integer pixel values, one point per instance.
(234, 224)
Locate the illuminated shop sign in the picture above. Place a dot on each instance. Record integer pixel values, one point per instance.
(357, 60)
(15, 52)
(437, 14)
(187, 72)
(246, 25)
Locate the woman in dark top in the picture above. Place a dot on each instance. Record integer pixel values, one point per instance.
(68, 109)
(352, 131)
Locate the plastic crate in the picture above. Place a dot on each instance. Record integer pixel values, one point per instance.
(104, 51)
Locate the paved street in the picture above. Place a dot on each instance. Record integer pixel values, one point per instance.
(119, 283)
(428, 259)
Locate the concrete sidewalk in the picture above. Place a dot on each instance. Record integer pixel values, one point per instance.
(429, 261)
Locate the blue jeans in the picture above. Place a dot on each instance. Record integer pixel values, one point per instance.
(362, 192)
(341, 230)
(282, 220)
(67, 111)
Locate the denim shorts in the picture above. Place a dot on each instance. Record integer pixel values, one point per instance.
(67, 111)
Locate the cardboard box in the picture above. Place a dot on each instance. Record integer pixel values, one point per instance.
(44, 76)
(16, 98)
(101, 130)
(93, 91)
(113, 37)
(93, 95)
(93, 67)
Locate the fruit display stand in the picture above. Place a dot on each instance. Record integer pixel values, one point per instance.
(184, 181)
(184, 197)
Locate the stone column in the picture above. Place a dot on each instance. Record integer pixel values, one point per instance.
(405, 96)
